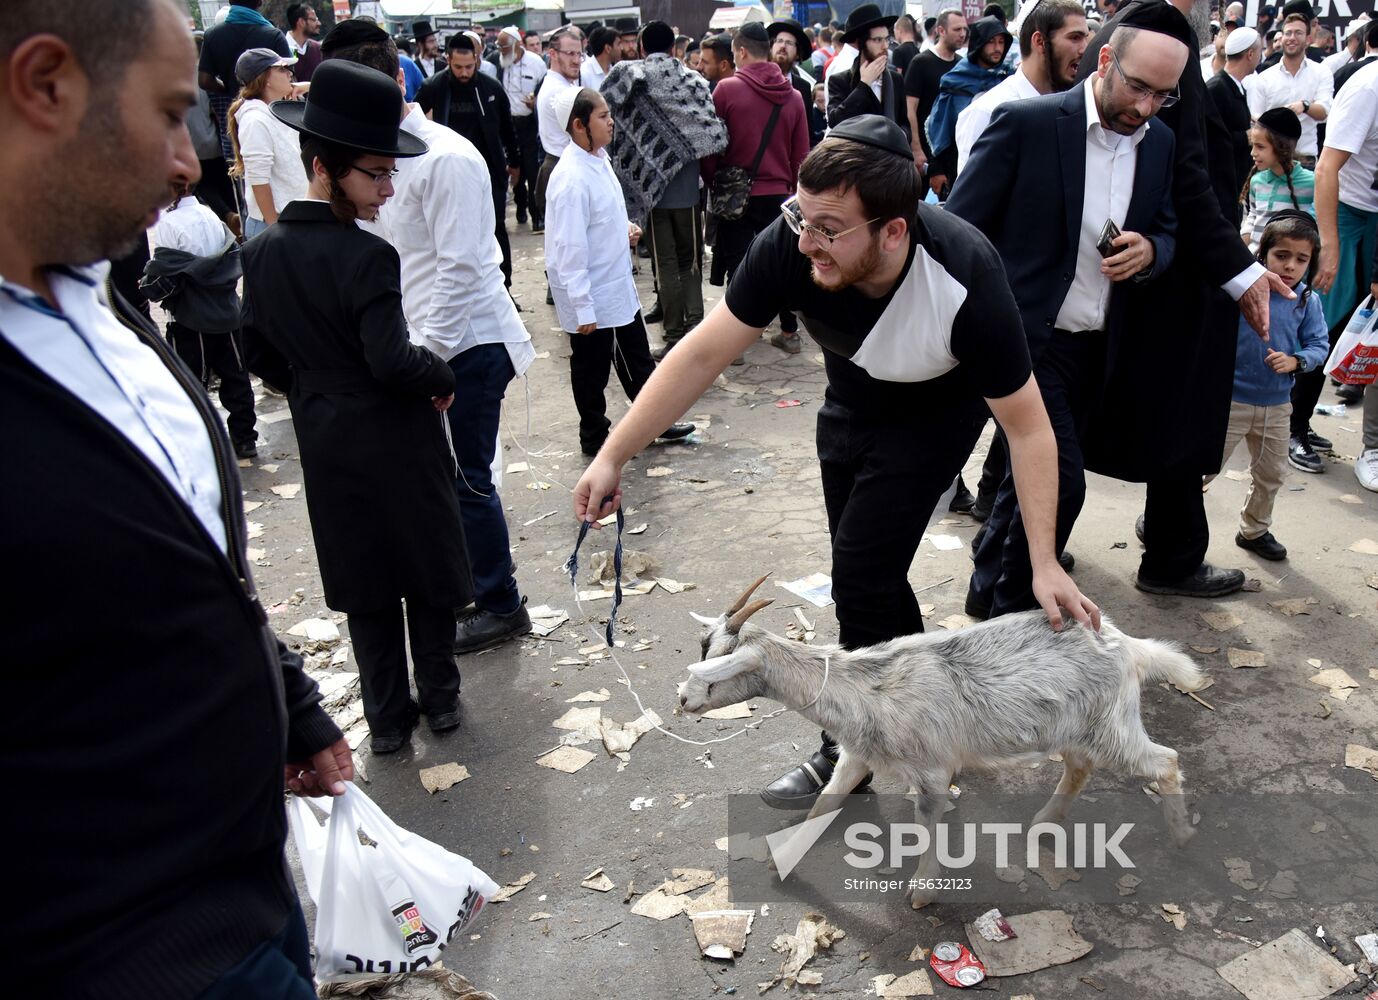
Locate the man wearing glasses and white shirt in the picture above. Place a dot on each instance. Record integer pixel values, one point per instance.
(522, 72)
(566, 54)
(920, 334)
(1296, 83)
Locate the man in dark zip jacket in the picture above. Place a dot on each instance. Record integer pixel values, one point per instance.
(150, 716)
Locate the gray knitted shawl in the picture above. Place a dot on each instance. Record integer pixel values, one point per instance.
(665, 118)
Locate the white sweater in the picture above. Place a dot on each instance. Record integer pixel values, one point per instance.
(272, 156)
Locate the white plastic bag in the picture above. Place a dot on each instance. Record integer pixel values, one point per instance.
(1354, 361)
(387, 901)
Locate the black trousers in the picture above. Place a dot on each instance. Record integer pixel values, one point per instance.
(380, 648)
(216, 189)
(223, 355)
(1176, 533)
(622, 349)
(500, 223)
(881, 482)
(1070, 372)
(1308, 386)
(524, 190)
(734, 238)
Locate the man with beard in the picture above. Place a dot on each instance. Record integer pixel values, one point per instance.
(1169, 432)
(1227, 89)
(521, 73)
(860, 257)
(789, 47)
(477, 108)
(717, 62)
(922, 77)
(870, 86)
(180, 889)
(1093, 155)
(303, 25)
(1297, 84)
(427, 48)
(983, 68)
(628, 31)
(1301, 8)
(1052, 40)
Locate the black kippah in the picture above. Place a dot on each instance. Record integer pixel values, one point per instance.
(349, 33)
(1282, 121)
(754, 30)
(1161, 17)
(877, 131)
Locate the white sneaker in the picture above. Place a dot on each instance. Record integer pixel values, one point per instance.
(1366, 469)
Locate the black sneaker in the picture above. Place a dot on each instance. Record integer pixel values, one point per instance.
(1318, 442)
(798, 787)
(962, 500)
(246, 449)
(1300, 455)
(485, 629)
(676, 432)
(655, 315)
(1265, 546)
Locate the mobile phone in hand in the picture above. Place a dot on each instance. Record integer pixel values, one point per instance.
(1106, 243)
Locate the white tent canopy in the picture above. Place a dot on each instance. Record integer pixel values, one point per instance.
(735, 17)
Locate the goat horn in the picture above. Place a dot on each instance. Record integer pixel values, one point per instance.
(735, 623)
(746, 594)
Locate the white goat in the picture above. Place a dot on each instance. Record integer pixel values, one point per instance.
(925, 707)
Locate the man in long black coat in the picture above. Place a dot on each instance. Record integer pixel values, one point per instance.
(1167, 399)
(1226, 89)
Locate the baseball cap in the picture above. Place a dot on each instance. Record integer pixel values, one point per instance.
(254, 62)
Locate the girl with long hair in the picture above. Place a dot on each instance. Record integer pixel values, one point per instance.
(267, 155)
(1279, 181)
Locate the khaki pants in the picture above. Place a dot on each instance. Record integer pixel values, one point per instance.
(1265, 430)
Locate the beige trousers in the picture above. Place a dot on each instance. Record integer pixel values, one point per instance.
(1265, 430)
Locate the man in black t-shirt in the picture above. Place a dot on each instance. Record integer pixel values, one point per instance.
(922, 76)
(245, 28)
(906, 48)
(920, 334)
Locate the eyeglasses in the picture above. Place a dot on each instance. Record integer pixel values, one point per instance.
(378, 176)
(794, 218)
(1140, 92)
(567, 52)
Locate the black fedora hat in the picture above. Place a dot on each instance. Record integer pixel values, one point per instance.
(862, 19)
(421, 30)
(352, 105)
(626, 26)
(802, 45)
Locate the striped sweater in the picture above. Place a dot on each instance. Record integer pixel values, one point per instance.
(1269, 193)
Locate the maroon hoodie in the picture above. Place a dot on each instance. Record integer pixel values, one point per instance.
(744, 102)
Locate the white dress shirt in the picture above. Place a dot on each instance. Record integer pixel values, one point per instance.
(977, 115)
(553, 138)
(1337, 61)
(1277, 86)
(1111, 163)
(85, 349)
(190, 227)
(592, 74)
(520, 80)
(441, 222)
(587, 255)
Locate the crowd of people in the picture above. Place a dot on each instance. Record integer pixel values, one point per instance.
(1130, 234)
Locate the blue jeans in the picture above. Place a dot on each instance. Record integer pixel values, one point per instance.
(481, 377)
(252, 227)
(278, 969)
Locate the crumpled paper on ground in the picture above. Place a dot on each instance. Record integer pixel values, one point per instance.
(812, 934)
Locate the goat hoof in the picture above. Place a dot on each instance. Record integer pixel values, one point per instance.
(1181, 836)
(919, 899)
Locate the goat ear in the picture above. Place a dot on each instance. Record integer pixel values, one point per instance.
(702, 619)
(719, 668)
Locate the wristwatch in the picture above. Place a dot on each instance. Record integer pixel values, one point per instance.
(1305, 107)
(1301, 363)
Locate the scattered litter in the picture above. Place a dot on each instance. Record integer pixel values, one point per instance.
(1044, 938)
(639, 529)
(1295, 606)
(537, 916)
(1236, 475)
(741, 710)
(956, 964)
(918, 954)
(601, 694)
(635, 565)
(993, 926)
(1288, 968)
(288, 491)
(517, 467)
(722, 933)
(512, 888)
(253, 529)
(1330, 409)
(1048, 870)
(1221, 621)
(545, 619)
(657, 471)
(1362, 758)
(443, 776)
(619, 737)
(1372, 581)
(812, 933)
(1011, 874)
(1126, 884)
(915, 984)
(581, 720)
(954, 622)
(316, 630)
(1119, 545)
(716, 898)
(1245, 657)
(539, 484)
(720, 843)
(816, 588)
(659, 905)
(1172, 913)
(673, 586)
(641, 802)
(1368, 944)
(1314, 663)
(786, 403)
(272, 467)
(434, 983)
(597, 881)
(570, 661)
(944, 543)
(1241, 873)
(1348, 498)
(1365, 546)
(566, 759)
(252, 505)
(539, 517)
(1253, 585)
(1205, 650)
(1338, 681)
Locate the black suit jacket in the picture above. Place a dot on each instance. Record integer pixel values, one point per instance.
(1014, 159)
(499, 147)
(849, 95)
(1233, 108)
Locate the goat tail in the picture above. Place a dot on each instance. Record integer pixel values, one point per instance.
(1154, 660)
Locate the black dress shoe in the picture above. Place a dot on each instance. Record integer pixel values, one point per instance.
(485, 629)
(798, 787)
(976, 606)
(1207, 581)
(1318, 442)
(676, 432)
(1265, 546)
(391, 742)
(1350, 394)
(655, 315)
(444, 722)
(982, 511)
(246, 449)
(659, 353)
(962, 500)
(1066, 560)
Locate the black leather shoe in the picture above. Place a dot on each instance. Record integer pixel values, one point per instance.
(1350, 394)
(962, 500)
(1067, 561)
(246, 449)
(798, 787)
(1318, 442)
(676, 432)
(484, 629)
(392, 742)
(1265, 546)
(982, 511)
(1139, 527)
(445, 722)
(659, 353)
(976, 606)
(655, 315)
(1207, 581)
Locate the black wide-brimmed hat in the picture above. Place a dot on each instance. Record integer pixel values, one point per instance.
(862, 19)
(421, 30)
(352, 105)
(802, 45)
(626, 26)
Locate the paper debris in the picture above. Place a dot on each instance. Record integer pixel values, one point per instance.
(545, 619)
(722, 933)
(1348, 498)
(686, 880)
(253, 529)
(516, 467)
(811, 934)
(641, 802)
(993, 926)
(272, 467)
(1365, 546)
(566, 759)
(1205, 650)
(539, 517)
(1241, 873)
(1295, 606)
(1245, 657)
(657, 471)
(1339, 682)
(600, 695)
(512, 888)
(316, 630)
(673, 586)
(1372, 581)
(741, 710)
(619, 738)
(1047, 869)
(1127, 884)
(252, 505)
(1236, 475)
(915, 984)
(255, 556)
(443, 776)
(1288, 968)
(659, 905)
(918, 954)
(537, 916)
(716, 898)
(954, 622)
(785, 403)
(1362, 758)
(944, 543)
(1172, 913)
(288, 491)
(1044, 938)
(1221, 621)
(816, 588)
(635, 565)
(581, 720)
(720, 843)
(1368, 944)
(597, 881)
